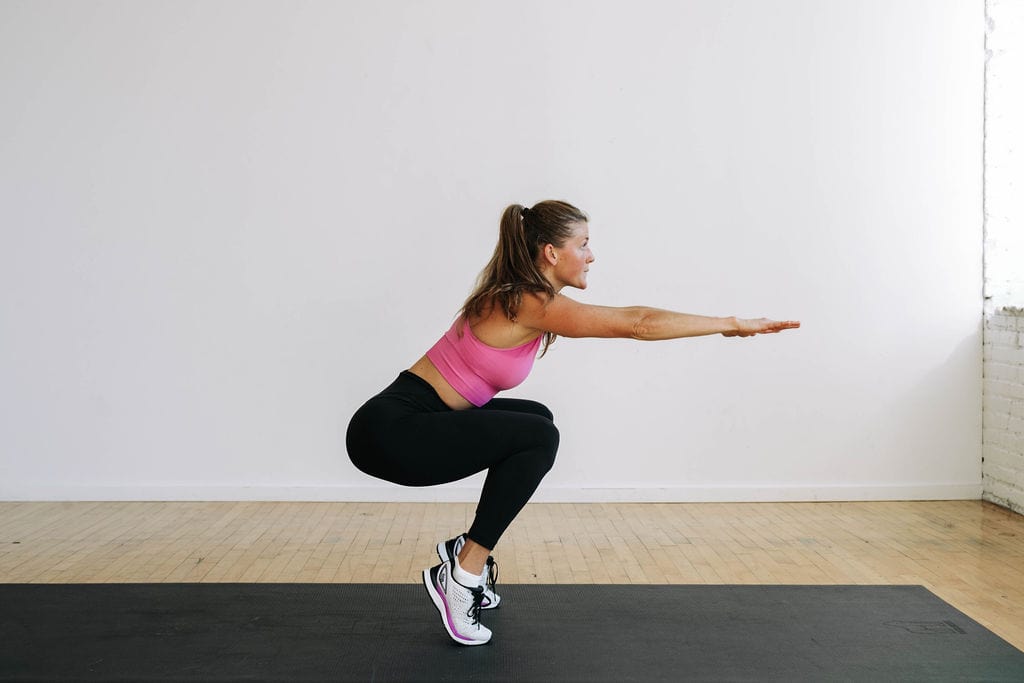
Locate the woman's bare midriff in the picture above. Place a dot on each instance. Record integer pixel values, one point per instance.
(426, 371)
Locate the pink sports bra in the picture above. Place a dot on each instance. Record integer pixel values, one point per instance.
(478, 371)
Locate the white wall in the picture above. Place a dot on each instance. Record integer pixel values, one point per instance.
(225, 225)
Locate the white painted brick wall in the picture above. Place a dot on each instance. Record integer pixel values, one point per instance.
(1003, 405)
(1003, 422)
(1004, 154)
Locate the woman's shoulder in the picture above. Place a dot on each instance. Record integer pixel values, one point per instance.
(533, 303)
(495, 328)
(536, 307)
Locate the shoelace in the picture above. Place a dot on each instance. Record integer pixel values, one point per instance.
(474, 609)
(492, 573)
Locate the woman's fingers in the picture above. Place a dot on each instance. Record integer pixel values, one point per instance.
(766, 326)
(749, 328)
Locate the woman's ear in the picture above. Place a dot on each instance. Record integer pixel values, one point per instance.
(550, 254)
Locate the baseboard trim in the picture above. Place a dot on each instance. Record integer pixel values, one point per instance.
(469, 494)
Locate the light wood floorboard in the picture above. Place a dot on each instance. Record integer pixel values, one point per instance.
(969, 553)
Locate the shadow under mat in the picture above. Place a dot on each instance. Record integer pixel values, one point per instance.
(389, 632)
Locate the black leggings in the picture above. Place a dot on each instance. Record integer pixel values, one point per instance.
(407, 435)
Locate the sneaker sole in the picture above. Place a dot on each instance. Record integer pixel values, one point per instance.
(442, 607)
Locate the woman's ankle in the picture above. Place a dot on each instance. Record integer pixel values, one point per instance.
(473, 557)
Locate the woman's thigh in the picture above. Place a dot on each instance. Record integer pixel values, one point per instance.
(436, 448)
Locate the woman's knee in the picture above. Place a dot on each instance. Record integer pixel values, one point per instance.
(520, 405)
(549, 435)
(538, 409)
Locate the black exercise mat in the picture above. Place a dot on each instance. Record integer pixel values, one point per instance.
(380, 632)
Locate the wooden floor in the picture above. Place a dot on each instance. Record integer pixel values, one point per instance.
(969, 553)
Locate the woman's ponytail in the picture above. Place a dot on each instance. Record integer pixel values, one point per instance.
(513, 249)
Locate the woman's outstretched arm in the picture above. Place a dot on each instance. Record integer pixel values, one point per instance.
(568, 318)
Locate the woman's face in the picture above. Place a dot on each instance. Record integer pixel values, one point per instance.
(570, 262)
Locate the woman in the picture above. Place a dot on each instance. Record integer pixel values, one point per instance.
(439, 421)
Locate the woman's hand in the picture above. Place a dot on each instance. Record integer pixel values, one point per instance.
(748, 328)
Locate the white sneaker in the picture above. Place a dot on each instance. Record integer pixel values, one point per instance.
(449, 550)
(458, 605)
